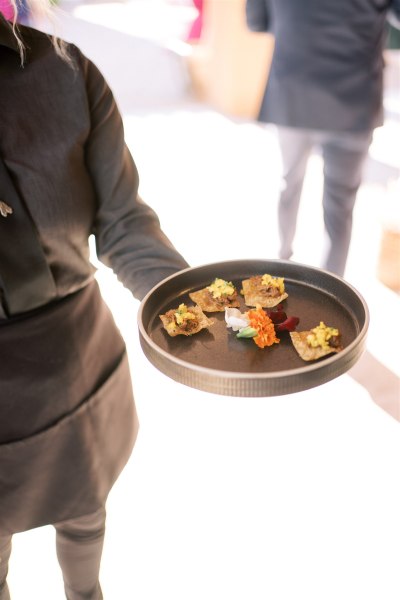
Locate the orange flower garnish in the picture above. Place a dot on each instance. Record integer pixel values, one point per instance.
(260, 321)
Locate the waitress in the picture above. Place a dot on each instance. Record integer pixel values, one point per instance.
(67, 414)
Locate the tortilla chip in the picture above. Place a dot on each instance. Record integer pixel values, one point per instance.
(202, 322)
(255, 293)
(307, 352)
(208, 303)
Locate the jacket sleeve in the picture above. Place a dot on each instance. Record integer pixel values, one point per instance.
(128, 235)
(258, 15)
(394, 13)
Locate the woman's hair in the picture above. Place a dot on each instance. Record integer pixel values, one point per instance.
(41, 9)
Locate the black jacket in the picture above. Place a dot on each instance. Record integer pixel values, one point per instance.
(327, 67)
(62, 141)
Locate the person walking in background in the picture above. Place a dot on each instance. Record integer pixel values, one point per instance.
(324, 89)
(67, 415)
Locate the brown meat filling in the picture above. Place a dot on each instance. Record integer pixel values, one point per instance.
(188, 325)
(222, 300)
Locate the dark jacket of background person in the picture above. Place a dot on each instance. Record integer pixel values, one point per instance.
(67, 415)
(326, 71)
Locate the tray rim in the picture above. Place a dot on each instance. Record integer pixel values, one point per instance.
(260, 376)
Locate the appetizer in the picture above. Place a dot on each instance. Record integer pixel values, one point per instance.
(185, 320)
(317, 342)
(264, 290)
(215, 297)
(255, 324)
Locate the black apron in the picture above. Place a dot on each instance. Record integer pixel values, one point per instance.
(67, 415)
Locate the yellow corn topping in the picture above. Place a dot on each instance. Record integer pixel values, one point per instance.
(276, 282)
(182, 314)
(321, 335)
(171, 326)
(220, 287)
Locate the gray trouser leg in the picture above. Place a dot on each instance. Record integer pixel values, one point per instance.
(5, 551)
(295, 146)
(344, 157)
(79, 545)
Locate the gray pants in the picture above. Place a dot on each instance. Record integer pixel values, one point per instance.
(344, 156)
(79, 545)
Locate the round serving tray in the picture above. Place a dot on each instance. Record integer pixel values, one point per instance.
(215, 361)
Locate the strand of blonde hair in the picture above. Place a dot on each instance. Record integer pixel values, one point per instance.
(38, 9)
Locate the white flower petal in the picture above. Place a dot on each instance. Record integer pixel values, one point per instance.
(235, 319)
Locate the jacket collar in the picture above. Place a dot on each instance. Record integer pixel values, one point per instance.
(7, 37)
